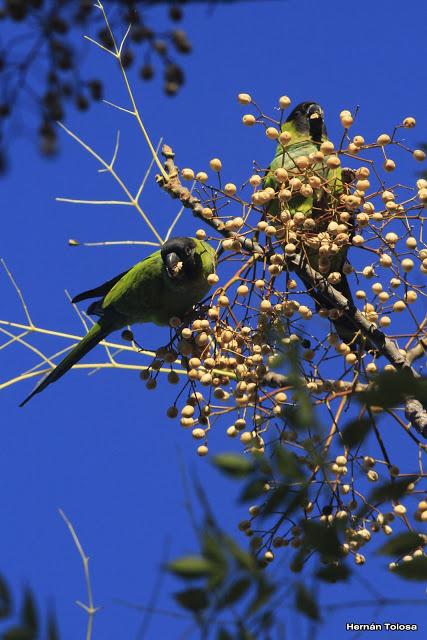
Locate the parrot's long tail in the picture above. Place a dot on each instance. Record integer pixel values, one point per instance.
(97, 333)
(343, 327)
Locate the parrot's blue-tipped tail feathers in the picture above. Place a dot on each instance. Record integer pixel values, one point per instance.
(42, 384)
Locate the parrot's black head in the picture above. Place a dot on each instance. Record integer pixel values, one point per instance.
(180, 259)
(308, 117)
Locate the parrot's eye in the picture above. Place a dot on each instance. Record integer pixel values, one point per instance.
(188, 251)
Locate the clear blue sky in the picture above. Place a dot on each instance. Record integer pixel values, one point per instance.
(100, 447)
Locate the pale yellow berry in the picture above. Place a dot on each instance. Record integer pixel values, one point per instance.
(327, 147)
(372, 475)
(202, 176)
(387, 196)
(202, 450)
(334, 277)
(272, 133)
(411, 242)
(255, 180)
(333, 162)
(212, 278)
(407, 264)
(200, 234)
(265, 306)
(351, 358)
(419, 155)
(360, 294)
(371, 367)
(358, 240)
(306, 191)
(244, 98)
(215, 164)
(359, 141)
(284, 102)
(385, 321)
(409, 122)
(383, 139)
(411, 297)
(230, 189)
(281, 174)
(290, 248)
(399, 509)
(389, 165)
(386, 260)
(369, 272)
(269, 556)
(231, 431)
(391, 238)
(248, 120)
(280, 397)
(295, 184)
(315, 182)
(187, 174)
(246, 437)
(399, 306)
(346, 120)
(363, 185)
(285, 137)
(242, 290)
(207, 213)
(422, 194)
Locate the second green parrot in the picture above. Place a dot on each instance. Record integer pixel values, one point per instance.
(306, 131)
(167, 283)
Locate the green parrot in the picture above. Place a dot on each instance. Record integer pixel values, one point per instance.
(167, 283)
(307, 131)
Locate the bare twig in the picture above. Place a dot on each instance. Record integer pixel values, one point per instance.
(89, 608)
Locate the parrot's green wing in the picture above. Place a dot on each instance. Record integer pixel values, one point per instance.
(100, 291)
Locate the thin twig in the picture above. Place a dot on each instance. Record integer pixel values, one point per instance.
(89, 608)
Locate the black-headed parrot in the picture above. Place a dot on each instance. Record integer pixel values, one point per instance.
(167, 283)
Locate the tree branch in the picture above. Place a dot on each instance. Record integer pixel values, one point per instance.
(317, 287)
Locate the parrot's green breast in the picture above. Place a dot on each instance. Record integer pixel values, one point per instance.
(147, 294)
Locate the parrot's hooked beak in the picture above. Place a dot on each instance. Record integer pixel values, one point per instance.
(173, 264)
(315, 118)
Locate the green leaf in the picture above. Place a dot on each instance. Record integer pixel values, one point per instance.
(235, 592)
(416, 569)
(29, 612)
(253, 489)
(264, 592)
(19, 633)
(276, 499)
(355, 432)
(191, 566)
(242, 557)
(5, 599)
(391, 388)
(391, 490)
(192, 599)
(305, 602)
(323, 539)
(213, 551)
(52, 628)
(402, 544)
(287, 464)
(333, 573)
(233, 464)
